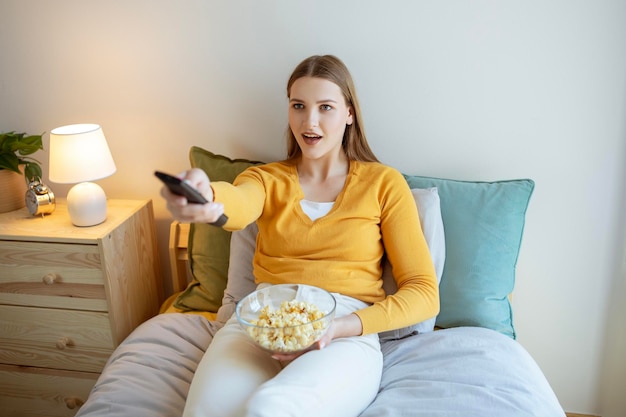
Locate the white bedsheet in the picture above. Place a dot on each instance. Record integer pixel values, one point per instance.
(465, 371)
(454, 372)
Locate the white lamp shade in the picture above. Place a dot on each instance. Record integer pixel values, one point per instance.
(79, 153)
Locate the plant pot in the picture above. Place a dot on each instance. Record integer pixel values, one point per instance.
(12, 190)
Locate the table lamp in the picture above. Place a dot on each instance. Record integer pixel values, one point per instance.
(78, 154)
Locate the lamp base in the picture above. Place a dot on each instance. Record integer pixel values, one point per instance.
(87, 204)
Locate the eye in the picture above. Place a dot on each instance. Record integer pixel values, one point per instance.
(298, 106)
(326, 107)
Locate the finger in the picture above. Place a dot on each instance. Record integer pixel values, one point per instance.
(215, 210)
(195, 177)
(168, 195)
(172, 199)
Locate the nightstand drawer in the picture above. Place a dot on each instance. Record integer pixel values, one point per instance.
(51, 338)
(36, 392)
(52, 275)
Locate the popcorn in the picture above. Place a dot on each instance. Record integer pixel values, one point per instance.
(292, 327)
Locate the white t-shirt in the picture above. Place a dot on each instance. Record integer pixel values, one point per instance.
(315, 210)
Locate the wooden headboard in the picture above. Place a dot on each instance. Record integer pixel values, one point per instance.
(179, 237)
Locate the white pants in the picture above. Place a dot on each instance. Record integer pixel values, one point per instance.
(235, 378)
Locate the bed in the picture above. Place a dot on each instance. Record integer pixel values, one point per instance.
(465, 362)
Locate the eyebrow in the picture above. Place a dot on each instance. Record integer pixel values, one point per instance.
(328, 100)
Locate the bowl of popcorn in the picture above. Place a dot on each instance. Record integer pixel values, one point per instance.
(286, 318)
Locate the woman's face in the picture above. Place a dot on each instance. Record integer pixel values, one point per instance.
(318, 115)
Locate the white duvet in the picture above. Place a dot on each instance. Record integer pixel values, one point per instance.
(466, 371)
(455, 372)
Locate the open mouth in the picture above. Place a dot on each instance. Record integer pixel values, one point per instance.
(310, 138)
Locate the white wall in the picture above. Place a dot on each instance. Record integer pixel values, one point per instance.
(480, 90)
(614, 367)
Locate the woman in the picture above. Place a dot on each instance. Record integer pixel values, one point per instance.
(326, 216)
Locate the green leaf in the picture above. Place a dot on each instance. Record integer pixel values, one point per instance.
(25, 149)
(27, 145)
(8, 144)
(33, 140)
(13, 150)
(10, 162)
(32, 171)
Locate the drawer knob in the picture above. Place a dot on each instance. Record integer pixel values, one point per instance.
(64, 342)
(73, 403)
(50, 278)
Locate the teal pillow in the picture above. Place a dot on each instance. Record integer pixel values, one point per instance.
(483, 226)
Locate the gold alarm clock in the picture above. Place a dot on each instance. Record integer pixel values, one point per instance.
(39, 198)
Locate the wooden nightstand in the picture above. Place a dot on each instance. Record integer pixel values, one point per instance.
(68, 296)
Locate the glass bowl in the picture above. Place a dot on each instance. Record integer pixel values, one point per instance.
(286, 318)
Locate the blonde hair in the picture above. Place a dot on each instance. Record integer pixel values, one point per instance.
(331, 68)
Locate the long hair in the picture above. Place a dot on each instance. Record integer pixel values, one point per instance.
(331, 68)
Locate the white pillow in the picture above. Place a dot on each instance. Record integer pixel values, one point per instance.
(243, 243)
(240, 277)
(429, 209)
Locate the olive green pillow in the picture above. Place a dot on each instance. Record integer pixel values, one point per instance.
(209, 246)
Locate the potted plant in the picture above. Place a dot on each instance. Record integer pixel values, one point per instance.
(15, 149)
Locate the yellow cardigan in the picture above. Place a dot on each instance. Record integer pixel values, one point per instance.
(341, 252)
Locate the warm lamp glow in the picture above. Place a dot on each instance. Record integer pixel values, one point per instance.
(78, 154)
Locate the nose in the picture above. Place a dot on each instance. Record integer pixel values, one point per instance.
(311, 119)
